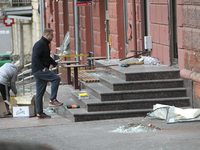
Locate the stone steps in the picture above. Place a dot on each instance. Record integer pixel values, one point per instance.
(116, 84)
(93, 104)
(144, 72)
(129, 92)
(82, 115)
(105, 94)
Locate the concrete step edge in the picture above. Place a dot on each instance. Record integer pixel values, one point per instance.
(90, 103)
(116, 80)
(82, 112)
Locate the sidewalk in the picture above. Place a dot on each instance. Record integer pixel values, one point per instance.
(61, 133)
(63, 95)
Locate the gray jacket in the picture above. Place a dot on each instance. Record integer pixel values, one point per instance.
(8, 74)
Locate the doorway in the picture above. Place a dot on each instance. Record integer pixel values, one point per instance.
(107, 30)
(126, 26)
(173, 32)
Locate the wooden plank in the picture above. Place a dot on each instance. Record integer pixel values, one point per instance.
(84, 76)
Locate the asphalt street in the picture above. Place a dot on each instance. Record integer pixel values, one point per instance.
(62, 134)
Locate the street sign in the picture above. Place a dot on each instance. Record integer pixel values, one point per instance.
(84, 3)
(8, 21)
(84, 0)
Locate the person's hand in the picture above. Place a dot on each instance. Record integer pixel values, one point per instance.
(15, 93)
(50, 67)
(57, 67)
(43, 70)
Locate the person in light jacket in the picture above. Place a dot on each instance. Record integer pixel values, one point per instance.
(8, 77)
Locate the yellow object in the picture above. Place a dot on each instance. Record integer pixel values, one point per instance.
(13, 102)
(135, 63)
(73, 55)
(110, 39)
(71, 69)
(83, 94)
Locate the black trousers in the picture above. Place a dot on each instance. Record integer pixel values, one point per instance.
(3, 91)
(41, 79)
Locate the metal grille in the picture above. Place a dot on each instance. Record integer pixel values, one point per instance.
(4, 1)
(21, 3)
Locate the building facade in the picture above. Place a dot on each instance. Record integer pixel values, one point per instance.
(120, 28)
(117, 29)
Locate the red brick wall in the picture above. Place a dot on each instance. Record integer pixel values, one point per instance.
(189, 34)
(139, 28)
(86, 32)
(99, 35)
(72, 27)
(51, 21)
(159, 30)
(129, 7)
(188, 23)
(55, 26)
(63, 19)
(196, 98)
(55, 19)
(117, 29)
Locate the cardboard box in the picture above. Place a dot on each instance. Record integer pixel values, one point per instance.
(3, 108)
(23, 111)
(13, 101)
(27, 100)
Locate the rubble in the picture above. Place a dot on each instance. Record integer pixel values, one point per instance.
(136, 128)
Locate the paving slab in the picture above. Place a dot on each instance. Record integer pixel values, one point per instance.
(9, 122)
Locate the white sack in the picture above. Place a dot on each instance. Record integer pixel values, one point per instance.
(174, 114)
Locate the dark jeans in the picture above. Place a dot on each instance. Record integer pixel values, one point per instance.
(3, 91)
(41, 82)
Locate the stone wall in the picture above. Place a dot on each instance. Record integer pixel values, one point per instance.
(188, 22)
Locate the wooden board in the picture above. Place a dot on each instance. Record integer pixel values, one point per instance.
(86, 77)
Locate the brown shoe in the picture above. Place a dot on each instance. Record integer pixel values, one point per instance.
(43, 116)
(55, 102)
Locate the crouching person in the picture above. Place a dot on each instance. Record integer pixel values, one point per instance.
(8, 77)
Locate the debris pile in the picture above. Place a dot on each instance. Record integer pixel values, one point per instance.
(136, 128)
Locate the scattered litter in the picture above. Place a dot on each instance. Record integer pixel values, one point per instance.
(174, 114)
(49, 110)
(136, 128)
(73, 106)
(116, 61)
(135, 63)
(83, 96)
(125, 65)
(94, 75)
(132, 63)
(151, 61)
(25, 90)
(147, 61)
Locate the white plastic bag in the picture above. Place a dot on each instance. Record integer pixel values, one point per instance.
(174, 114)
(151, 61)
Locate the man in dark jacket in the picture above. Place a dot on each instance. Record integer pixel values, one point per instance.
(41, 62)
